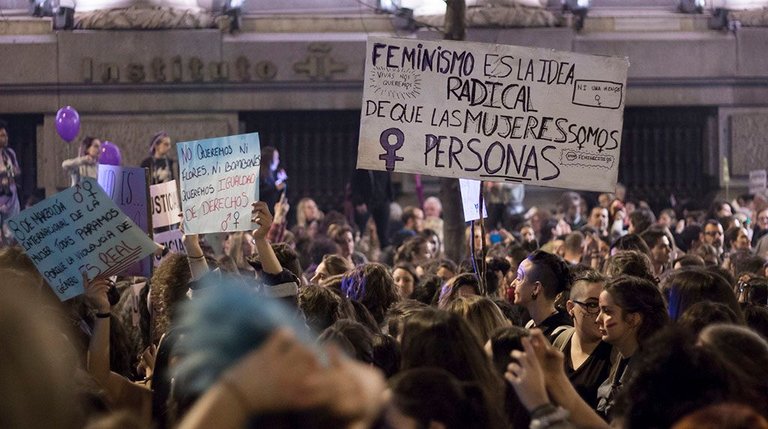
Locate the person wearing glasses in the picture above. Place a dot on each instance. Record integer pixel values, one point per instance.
(587, 356)
(760, 226)
(712, 234)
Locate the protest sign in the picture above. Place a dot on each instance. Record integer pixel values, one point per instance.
(79, 230)
(470, 199)
(173, 240)
(127, 187)
(492, 112)
(164, 201)
(219, 182)
(758, 182)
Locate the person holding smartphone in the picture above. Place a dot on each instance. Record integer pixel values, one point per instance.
(271, 180)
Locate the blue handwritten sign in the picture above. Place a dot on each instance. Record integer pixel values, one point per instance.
(79, 230)
(219, 182)
(127, 187)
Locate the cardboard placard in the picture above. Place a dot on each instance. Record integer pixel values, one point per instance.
(492, 112)
(127, 187)
(79, 230)
(164, 201)
(219, 182)
(172, 239)
(758, 182)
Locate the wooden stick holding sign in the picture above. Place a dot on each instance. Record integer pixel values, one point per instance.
(219, 182)
(79, 230)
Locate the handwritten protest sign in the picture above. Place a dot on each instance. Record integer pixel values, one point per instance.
(79, 230)
(470, 199)
(219, 181)
(758, 182)
(170, 239)
(164, 201)
(492, 112)
(127, 187)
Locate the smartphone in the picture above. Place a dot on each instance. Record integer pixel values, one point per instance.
(495, 237)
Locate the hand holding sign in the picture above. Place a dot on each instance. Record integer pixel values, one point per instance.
(96, 293)
(261, 216)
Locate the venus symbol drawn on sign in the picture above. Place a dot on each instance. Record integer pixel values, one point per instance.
(390, 156)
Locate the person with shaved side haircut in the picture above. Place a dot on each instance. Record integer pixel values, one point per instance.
(540, 279)
(587, 357)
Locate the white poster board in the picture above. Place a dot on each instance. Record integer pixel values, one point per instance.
(492, 112)
(757, 182)
(470, 200)
(172, 239)
(79, 230)
(219, 182)
(164, 202)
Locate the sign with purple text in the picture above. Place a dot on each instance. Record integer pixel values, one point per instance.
(219, 182)
(79, 230)
(492, 112)
(127, 187)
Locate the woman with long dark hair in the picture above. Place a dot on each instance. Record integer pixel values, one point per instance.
(631, 311)
(86, 162)
(161, 167)
(439, 339)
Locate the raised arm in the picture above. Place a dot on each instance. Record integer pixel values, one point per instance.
(120, 391)
(98, 349)
(277, 230)
(195, 256)
(261, 216)
(73, 163)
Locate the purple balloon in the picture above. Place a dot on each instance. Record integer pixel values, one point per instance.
(110, 154)
(67, 123)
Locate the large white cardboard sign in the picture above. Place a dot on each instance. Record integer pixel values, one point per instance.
(164, 201)
(219, 182)
(492, 112)
(79, 230)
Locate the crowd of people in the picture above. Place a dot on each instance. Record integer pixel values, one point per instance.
(608, 315)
